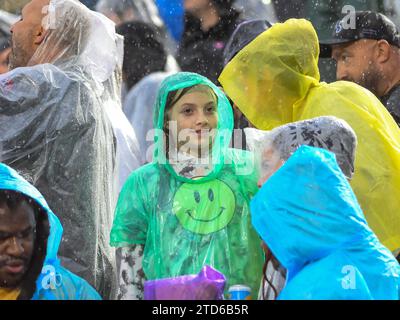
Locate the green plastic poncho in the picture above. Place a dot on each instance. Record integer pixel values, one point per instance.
(185, 224)
(275, 80)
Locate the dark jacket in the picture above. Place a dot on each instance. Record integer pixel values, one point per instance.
(392, 102)
(202, 51)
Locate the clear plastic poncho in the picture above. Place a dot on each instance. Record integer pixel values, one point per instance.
(54, 130)
(128, 155)
(183, 223)
(310, 219)
(274, 80)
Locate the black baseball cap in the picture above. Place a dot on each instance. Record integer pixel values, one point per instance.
(368, 25)
(244, 33)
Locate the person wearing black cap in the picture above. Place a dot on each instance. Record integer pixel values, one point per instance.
(245, 32)
(208, 26)
(368, 54)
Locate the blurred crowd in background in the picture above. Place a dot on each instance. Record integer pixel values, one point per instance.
(166, 36)
(193, 31)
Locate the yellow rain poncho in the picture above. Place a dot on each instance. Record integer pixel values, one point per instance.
(275, 80)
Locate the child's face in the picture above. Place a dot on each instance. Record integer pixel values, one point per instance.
(270, 163)
(195, 115)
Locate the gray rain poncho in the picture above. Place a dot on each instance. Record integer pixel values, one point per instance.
(325, 132)
(55, 131)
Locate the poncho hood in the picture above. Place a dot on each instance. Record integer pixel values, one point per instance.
(273, 72)
(307, 210)
(224, 128)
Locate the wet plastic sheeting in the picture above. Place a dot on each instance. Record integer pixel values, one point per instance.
(55, 131)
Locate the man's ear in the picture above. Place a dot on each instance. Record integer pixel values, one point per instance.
(40, 35)
(384, 51)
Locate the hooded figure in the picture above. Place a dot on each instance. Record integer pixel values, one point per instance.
(309, 217)
(185, 212)
(55, 126)
(144, 52)
(44, 278)
(245, 32)
(274, 80)
(273, 148)
(325, 132)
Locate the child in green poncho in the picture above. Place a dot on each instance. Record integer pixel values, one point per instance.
(189, 207)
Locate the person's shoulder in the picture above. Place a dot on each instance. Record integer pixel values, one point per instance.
(145, 174)
(345, 99)
(155, 78)
(76, 287)
(330, 278)
(38, 74)
(352, 92)
(393, 97)
(149, 85)
(239, 158)
(243, 164)
(61, 284)
(348, 87)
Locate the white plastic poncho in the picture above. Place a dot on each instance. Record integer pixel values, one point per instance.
(54, 129)
(128, 152)
(138, 108)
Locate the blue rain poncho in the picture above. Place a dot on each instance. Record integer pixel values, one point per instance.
(54, 282)
(310, 219)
